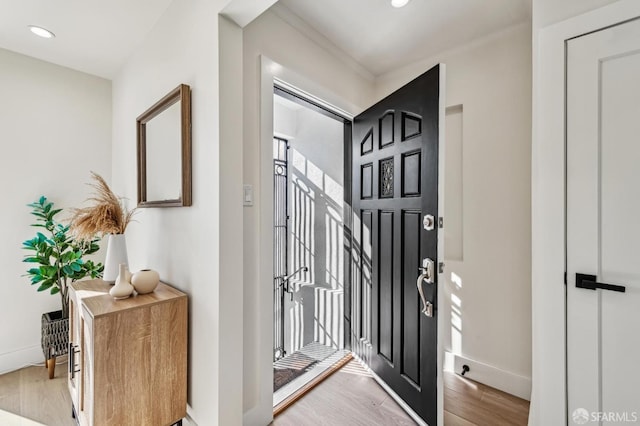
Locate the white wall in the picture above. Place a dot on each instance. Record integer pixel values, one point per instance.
(491, 80)
(547, 12)
(271, 36)
(55, 127)
(317, 176)
(285, 125)
(184, 244)
(316, 201)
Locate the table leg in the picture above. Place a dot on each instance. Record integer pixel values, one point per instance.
(51, 366)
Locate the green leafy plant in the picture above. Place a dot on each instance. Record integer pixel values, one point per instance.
(60, 257)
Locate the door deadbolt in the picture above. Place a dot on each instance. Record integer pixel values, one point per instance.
(429, 222)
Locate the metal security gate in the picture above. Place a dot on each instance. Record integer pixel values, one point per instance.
(280, 246)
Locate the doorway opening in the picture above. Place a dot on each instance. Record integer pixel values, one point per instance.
(308, 241)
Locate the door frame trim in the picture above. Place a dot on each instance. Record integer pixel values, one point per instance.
(272, 74)
(548, 211)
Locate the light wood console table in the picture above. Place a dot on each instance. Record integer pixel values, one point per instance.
(127, 358)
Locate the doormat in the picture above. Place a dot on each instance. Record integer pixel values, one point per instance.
(287, 369)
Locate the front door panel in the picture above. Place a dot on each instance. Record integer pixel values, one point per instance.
(395, 184)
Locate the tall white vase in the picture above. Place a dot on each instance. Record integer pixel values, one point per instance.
(116, 254)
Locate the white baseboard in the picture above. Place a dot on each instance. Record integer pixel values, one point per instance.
(19, 358)
(448, 363)
(505, 381)
(259, 415)
(188, 420)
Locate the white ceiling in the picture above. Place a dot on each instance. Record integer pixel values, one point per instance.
(382, 38)
(98, 36)
(91, 36)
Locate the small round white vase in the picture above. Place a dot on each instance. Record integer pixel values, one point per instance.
(145, 281)
(123, 288)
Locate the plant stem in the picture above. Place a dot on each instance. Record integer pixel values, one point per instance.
(64, 294)
(61, 281)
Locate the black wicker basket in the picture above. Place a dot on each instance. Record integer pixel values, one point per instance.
(55, 334)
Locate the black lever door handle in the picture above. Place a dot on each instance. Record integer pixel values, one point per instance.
(71, 359)
(590, 282)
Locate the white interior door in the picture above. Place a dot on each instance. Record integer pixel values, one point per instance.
(603, 226)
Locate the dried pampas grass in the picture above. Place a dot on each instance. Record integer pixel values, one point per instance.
(107, 215)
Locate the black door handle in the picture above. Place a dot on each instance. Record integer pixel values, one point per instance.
(590, 282)
(71, 359)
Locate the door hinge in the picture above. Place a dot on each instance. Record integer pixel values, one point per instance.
(441, 268)
(565, 277)
(440, 222)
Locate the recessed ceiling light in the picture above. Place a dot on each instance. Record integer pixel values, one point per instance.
(42, 32)
(399, 3)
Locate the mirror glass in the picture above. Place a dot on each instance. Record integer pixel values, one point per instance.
(163, 155)
(164, 151)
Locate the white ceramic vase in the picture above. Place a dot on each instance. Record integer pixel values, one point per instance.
(145, 281)
(116, 254)
(123, 288)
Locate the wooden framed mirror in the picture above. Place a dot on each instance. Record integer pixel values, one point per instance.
(164, 151)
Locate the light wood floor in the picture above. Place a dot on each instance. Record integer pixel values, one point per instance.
(348, 397)
(29, 393)
(352, 397)
(469, 403)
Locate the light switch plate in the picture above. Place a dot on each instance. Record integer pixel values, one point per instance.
(247, 195)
